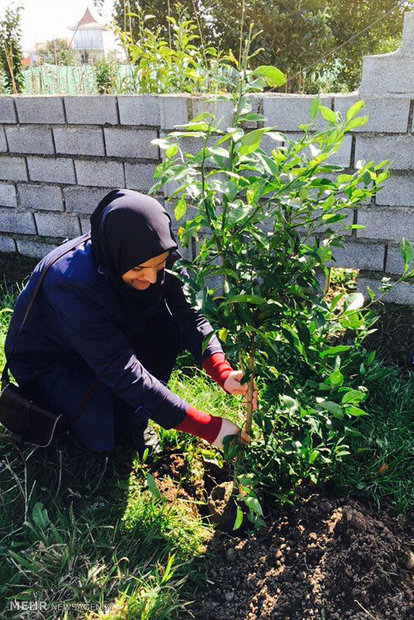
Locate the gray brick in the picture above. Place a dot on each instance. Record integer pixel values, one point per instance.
(35, 249)
(51, 169)
(7, 110)
(131, 143)
(387, 74)
(369, 256)
(13, 169)
(402, 294)
(83, 199)
(40, 110)
(79, 141)
(26, 139)
(386, 114)
(407, 43)
(17, 222)
(101, 174)
(7, 244)
(287, 112)
(91, 110)
(395, 263)
(386, 223)
(85, 224)
(221, 110)
(398, 190)
(139, 110)
(3, 143)
(399, 150)
(343, 156)
(139, 176)
(189, 145)
(57, 225)
(173, 110)
(7, 195)
(44, 197)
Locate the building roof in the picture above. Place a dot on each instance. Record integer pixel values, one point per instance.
(87, 22)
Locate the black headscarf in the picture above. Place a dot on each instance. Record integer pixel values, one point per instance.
(127, 229)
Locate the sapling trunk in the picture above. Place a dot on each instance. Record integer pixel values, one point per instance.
(250, 392)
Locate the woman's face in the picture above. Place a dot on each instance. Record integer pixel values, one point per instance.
(142, 276)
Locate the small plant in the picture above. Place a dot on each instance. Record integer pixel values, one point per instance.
(106, 75)
(10, 50)
(180, 64)
(268, 212)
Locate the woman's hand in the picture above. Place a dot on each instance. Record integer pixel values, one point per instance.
(228, 428)
(233, 386)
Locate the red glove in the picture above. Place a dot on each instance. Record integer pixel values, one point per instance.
(200, 424)
(218, 368)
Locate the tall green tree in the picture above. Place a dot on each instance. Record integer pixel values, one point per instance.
(10, 50)
(384, 27)
(57, 52)
(316, 43)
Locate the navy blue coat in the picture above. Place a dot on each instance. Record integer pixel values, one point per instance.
(78, 330)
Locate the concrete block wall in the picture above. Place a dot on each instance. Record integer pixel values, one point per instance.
(59, 155)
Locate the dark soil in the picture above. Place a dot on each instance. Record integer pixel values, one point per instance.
(322, 558)
(14, 268)
(394, 337)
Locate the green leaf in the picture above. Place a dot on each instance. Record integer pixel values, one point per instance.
(331, 351)
(407, 252)
(27, 564)
(272, 76)
(354, 301)
(40, 516)
(253, 504)
(218, 151)
(253, 117)
(222, 334)
(344, 178)
(328, 114)
(180, 208)
(355, 411)
(251, 141)
(314, 107)
(251, 299)
(239, 519)
(152, 486)
(201, 117)
(336, 378)
(353, 397)
(357, 122)
(354, 109)
(237, 212)
(206, 341)
(171, 151)
(333, 408)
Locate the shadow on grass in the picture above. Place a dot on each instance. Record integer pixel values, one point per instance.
(81, 533)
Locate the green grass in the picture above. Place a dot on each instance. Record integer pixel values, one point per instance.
(382, 469)
(85, 536)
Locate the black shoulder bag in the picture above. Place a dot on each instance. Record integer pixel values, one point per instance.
(22, 417)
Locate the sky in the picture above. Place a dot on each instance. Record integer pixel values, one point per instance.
(43, 20)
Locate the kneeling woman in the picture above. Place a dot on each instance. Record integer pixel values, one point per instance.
(108, 309)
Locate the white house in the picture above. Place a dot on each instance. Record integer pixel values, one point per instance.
(88, 38)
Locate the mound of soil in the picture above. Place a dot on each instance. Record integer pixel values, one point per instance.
(322, 558)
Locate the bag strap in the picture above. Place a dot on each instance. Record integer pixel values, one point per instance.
(65, 248)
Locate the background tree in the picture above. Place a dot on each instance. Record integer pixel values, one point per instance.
(57, 52)
(10, 50)
(311, 41)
